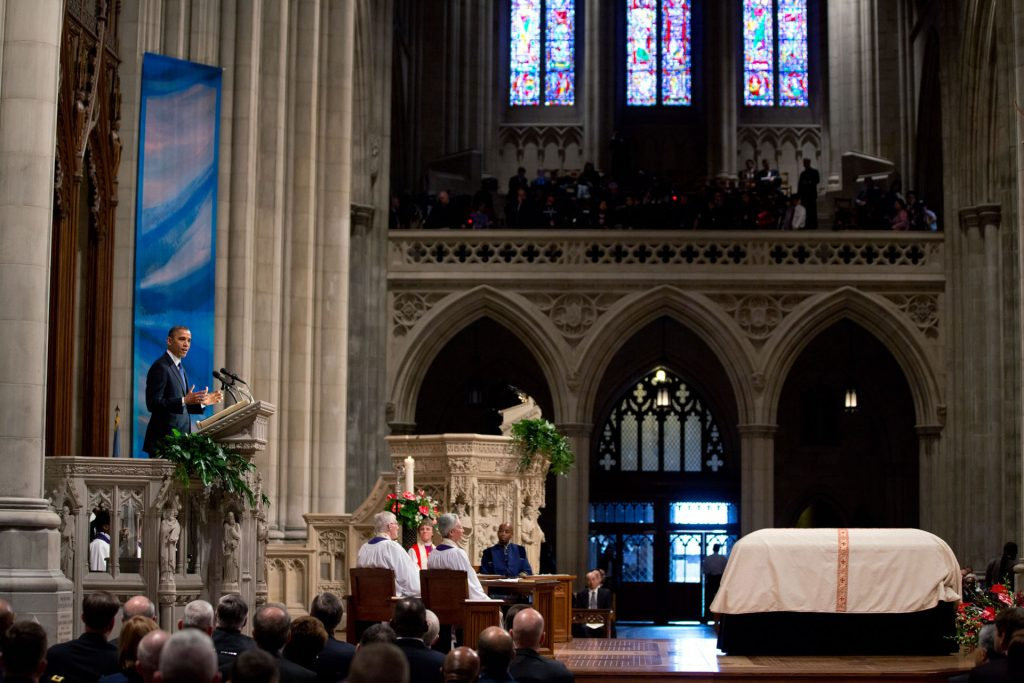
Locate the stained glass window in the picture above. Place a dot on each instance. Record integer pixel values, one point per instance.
(555, 37)
(658, 53)
(758, 53)
(675, 62)
(792, 20)
(775, 53)
(559, 77)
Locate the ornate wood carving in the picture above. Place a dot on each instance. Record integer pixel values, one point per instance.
(88, 157)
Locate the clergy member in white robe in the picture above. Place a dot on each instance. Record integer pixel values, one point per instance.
(99, 547)
(448, 554)
(384, 552)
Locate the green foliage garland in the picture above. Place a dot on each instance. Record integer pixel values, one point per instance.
(199, 456)
(532, 437)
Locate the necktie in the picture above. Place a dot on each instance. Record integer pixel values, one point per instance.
(593, 599)
(181, 372)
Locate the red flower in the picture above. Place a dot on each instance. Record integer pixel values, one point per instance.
(424, 510)
(1005, 598)
(394, 507)
(998, 589)
(409, 495)
(963, 607)
(988, 614)
(391, 496)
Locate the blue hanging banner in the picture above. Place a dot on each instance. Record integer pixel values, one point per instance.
(175, 220)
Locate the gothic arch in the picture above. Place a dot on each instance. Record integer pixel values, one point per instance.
(900, 337)
(633, 313)
(449, 317)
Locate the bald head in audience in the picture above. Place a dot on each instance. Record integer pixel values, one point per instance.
(461, 665)
(379, 663)
(188, 657)
(147, 656)
(496, 652)
(528, 629)
(138, 606)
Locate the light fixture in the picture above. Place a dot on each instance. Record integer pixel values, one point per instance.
(850, 401)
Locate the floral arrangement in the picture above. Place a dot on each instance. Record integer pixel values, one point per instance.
(412, 508)
(532, 437)
(982, 609)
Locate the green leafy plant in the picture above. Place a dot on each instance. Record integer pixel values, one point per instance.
(199, 456)
(533, 437)
(412, 508)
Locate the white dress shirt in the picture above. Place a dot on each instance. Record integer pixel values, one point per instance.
(383, 553)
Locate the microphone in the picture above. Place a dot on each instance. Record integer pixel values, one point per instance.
(225, 384)
(228, 373)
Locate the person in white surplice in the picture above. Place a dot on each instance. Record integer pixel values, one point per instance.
(448, 554)
(384, 552)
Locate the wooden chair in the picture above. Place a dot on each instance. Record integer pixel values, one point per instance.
(445, 592)
(370, 600)
(583, 616)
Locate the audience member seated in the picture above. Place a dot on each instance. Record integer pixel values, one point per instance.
(410, 625)
(442, 214)
(379, 663)
(228, 639)
(900, 220)
(198, 615)
(461, 665)
(529, 666)
(795, 217)
(89, 656)
(336, 656)
(448, 554)
(383, 552)
(270, 631)
(306, 639)
(24, 652)
(137, 606)
(504, 557)
(148, 654)
(496, 651)
(188, 657)
(510, 615)
(132, 633)
(868, 205)
(378, 633)
(433, 631)
(1009, 625)
(254, 666)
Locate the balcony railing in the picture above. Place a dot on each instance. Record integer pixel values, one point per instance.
(654, 251)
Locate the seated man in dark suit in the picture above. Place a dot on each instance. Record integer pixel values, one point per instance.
(24, 652)
(528, 666)
(595, 596)
(504, 557)
(336, 657)
(90, 656)
(496, 652)
(1009, 628)
(270, 631)
(410, 623)
(228, 639)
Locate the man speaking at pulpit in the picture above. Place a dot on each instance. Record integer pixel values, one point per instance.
(505, 557)
(170, 398)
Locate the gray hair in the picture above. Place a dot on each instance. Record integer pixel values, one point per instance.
(383, 520)
(138, 606)
(446, 522)
(188, 657)
(198, 614)
(433, 628)
(987, 639)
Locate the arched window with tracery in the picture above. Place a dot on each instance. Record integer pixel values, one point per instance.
(658, 53)
(775, 62)
(542, 53)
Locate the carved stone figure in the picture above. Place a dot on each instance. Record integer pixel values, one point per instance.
(262, 537)
(67, 542)
(170, 532)
(230, 549)
(529, 530)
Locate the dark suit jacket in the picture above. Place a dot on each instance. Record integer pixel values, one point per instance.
(290, 672)
(995, 671)
(82, 660)
(493, 561)
(230, 643)
(582, 598)
(529, 667)
(164, 392)
(333, 662)
(424, 664)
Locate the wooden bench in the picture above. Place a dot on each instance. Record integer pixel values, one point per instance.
(371, 600)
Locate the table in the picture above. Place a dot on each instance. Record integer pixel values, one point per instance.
(541, 590)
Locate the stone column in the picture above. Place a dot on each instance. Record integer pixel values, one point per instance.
(935, 485)
(573, 495)
(591, 71)
(757, 479)
(30, 575)
(722, 160)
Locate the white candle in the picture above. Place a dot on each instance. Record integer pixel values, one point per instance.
(410, 468)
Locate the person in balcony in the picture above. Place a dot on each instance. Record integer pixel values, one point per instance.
(521, 212)
(442, 214)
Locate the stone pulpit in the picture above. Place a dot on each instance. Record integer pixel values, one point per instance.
(477, 477)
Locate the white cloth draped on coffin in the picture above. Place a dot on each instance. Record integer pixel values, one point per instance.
(803, 570)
